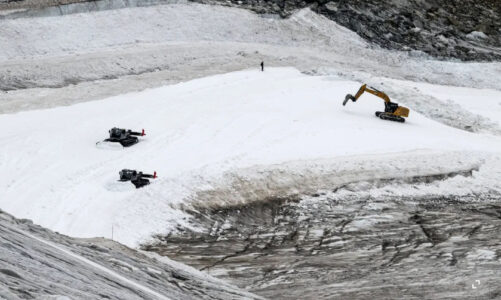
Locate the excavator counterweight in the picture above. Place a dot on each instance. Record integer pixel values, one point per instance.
(392, 111)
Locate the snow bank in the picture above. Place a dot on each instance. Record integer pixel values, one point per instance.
(199, 134)
(266, 183)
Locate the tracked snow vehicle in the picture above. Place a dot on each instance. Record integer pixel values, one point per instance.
(392, 111)
(138, 179)
(124, 137)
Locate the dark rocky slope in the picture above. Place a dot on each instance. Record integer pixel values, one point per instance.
(462, 29)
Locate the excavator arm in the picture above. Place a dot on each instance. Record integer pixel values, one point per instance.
(363, 89)
(392, 111)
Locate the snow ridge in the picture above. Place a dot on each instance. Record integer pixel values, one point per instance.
(266, 183)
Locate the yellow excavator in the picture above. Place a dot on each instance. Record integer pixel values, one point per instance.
(392, 111)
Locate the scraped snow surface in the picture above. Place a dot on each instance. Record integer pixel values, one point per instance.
(53, 173)
(483, 102)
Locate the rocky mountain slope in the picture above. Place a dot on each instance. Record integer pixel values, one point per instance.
(467, 30)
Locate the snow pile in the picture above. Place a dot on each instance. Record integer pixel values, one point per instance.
(199, 134)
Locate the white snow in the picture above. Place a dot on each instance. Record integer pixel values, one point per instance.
(226, 139)
(476, 35)
(199, 132)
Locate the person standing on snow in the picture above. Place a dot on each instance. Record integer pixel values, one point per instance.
(262, 66)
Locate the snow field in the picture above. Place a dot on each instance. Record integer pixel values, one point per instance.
(198, 131)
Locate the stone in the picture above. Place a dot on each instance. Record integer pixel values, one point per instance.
(331, 6)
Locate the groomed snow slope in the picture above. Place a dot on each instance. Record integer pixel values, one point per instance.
(201, 131)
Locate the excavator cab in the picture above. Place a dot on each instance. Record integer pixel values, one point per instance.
(392, 111)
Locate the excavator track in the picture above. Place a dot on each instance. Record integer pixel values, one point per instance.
(389, 117)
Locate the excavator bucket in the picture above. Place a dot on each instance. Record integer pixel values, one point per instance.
(348, 97)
